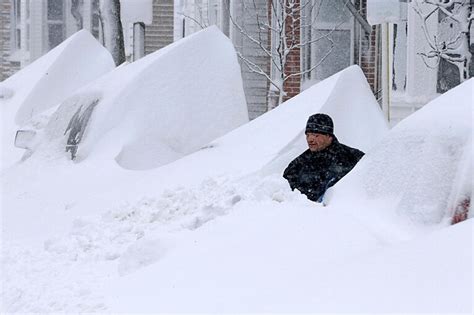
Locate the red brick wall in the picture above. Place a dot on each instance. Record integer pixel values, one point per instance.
(368, 52)
(292, 86)
(368, 59)
(7, 67)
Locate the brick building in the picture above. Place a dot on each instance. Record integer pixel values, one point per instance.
(160, 32)
(351, 39)
(8, 64)
(306, 64)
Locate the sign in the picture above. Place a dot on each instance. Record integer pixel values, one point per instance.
(386, 11)
(136, 11)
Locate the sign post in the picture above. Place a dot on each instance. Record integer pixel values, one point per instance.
(386, 12)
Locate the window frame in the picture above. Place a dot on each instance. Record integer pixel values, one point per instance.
(15, 27)
(54, 22)
(308, 57)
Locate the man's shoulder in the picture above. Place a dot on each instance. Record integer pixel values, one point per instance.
(306, 154)
(302, 157)
(350, 150)
(296, 164)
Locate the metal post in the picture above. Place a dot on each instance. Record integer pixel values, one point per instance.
(138, 40)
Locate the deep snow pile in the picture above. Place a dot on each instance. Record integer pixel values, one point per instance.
(29, 94)
(159, 108)
(221, 229)
(291, 256)
(282, 254)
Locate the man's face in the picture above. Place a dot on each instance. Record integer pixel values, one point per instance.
(318, 141)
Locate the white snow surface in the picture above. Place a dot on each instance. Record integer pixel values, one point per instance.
(220, 230)
(161, 107)
(294, 257)
(36, 89)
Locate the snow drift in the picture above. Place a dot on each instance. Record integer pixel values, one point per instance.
(160, 108)
(422, 169)
(35, 89)
(288, 257)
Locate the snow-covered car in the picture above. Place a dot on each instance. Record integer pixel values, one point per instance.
(422, 170)
(30, 96)
(142, 110)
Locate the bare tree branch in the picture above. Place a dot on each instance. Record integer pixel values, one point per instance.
(454, 50)
(319, 62)
(283, 23)
(202, 26)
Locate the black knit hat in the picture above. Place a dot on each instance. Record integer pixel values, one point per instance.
(320, 123)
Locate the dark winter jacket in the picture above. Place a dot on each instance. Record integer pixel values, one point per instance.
(312, 173)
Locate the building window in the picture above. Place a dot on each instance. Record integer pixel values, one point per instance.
(400, 33)
(95, 27)
(56, 27)
(16, 26)
(20, 31)
(333, 59)
(327, 39)
(27, 25)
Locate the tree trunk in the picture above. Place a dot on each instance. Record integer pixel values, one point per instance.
(112, 27)
(76, 12)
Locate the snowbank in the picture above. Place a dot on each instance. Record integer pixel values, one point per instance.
(42, 85)
(268, 258)
(430, 274)
(422, 169)
(160, 108)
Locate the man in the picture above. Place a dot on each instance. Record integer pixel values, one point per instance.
(324, 163)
